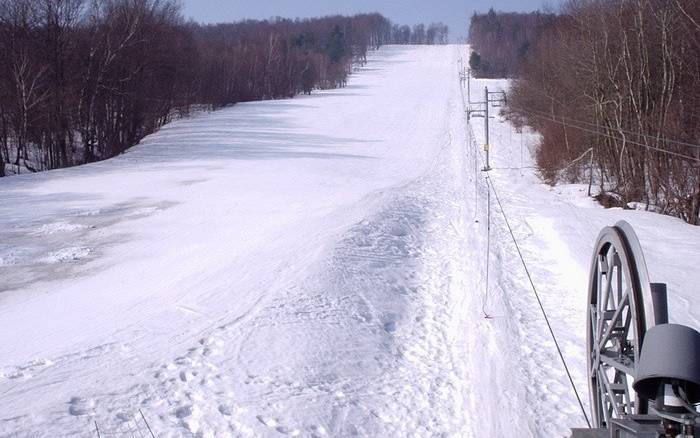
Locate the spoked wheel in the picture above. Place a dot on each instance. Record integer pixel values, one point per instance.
(620, 310)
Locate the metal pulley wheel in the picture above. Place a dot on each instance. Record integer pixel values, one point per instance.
(620, 311)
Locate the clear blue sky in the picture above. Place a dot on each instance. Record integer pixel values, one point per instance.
(454, 13)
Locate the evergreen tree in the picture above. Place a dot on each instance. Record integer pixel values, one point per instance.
(336, 45)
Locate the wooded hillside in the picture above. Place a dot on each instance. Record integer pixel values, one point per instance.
(613, 87)
(501, 40)
(83, 80)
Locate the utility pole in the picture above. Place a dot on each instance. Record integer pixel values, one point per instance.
(487, 102)
(486, 128)
(521, 149)
(469, 85)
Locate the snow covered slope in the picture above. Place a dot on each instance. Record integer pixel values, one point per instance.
(268, 268)
(556, 228)
(305, 267)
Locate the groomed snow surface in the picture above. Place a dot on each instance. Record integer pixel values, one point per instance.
(308, 267)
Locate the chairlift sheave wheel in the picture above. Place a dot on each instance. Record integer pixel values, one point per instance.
(620, 311)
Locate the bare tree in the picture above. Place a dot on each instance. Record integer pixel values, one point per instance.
(83, 80)
(619, 78)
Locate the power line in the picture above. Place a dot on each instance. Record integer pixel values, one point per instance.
(632, 142)
(613, 137)
(640, 134)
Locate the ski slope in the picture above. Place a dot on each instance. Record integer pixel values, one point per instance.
(308, 267)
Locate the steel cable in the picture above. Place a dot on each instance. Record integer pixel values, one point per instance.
(625, 131)
(491, 187)
(489, 183)
(613, 137)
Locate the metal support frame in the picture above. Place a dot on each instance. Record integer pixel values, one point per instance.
(635, 426)
(622, 306)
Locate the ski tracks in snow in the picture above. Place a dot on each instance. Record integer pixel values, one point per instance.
(368, 325)
(376, 322)
(372, 339)
(369, 342)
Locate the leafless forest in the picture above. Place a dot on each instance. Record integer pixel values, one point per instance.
(83, 80)
(502, 40)
(613, 86)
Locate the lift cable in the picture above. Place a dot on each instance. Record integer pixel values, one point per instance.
(488, 251)
(490, 184)
(491, 187)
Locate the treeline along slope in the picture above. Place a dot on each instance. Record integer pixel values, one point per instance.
(613, 87)
(83, 80)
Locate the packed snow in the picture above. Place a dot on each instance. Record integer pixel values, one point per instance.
(309, 267)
